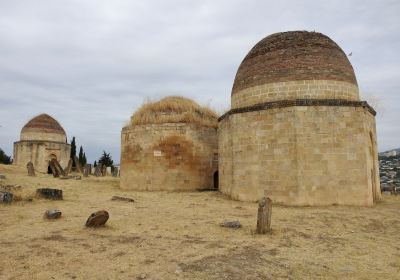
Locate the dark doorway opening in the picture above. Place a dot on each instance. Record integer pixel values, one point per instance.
(216, 183)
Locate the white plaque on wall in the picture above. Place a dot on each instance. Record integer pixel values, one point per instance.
(157, 153)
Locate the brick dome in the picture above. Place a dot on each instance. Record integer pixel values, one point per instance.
(293, 56)
(43, 127)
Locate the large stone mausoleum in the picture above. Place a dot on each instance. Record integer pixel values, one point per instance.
(170, 145)
(297, 130)
(42, 139)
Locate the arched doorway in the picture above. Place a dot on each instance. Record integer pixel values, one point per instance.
(50, 157)
(216, 182)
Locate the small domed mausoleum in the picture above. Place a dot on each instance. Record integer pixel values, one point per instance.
(171, 145)
(42, 139)
(297, 130)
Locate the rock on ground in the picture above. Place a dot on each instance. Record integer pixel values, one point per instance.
(52, 214)
(97, 219)
(231, 224)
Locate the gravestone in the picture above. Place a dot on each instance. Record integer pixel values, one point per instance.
(53, 169)
(86, 171)
(115, 172)
(97, 219)
(31, 170)
(264, 215)
(97, 171)
(104, 171)
(58, 167)
(52, 214)
(77, 164)
(68, 169)
(116, 197)
(48, 193)
(6, 197)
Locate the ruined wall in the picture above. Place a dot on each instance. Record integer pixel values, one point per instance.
(300, 155)
(40, 152)
(171, 156)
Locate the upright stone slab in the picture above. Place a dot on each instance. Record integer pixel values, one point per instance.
(31, 170)
(86, 171)
(68, 169)
(104, 171)
(53, 169)
(58, 167)
(264, 215)
(115, 172)
(97, 171)
(77, 164)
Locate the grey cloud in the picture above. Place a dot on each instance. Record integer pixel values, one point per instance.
(91, 63)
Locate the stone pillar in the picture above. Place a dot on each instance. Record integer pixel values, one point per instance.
(264, 215)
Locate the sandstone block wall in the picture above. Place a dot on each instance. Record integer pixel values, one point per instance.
(40, 152)
(171, 156)
(300, 155)
(302, 89)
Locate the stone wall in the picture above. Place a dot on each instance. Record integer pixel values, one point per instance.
(40, 152)
(171, 156)
(300, 155)
(304, 89)
(40, 136)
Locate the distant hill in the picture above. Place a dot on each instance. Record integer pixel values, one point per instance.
(393, 152)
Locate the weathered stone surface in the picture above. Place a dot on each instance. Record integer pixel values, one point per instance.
(6, 197)
(53, 169)
(231, 224)
(86, 169)
(172, 156)
(116, 197)
(97, 219)
(73, 177)
(97, 171)
(58, 167)
(77, 165)
(52, 214)
(115, 172)
(31, 170)
(49, 193)
(2, 177)
(68, 169)
(264, 215)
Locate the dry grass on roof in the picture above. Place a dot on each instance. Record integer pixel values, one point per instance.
(175, 109)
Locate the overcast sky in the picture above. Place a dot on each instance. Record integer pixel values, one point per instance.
(90, 64)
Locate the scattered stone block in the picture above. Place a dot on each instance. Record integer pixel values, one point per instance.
(52, 214)
(264, 215)
(31, 170)
(231, 224)
(116, 197)
(6, 197)
(48, 193)
(97, 219)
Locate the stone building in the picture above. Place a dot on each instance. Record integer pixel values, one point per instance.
(42, 139)
(297, 130)
(170, 145)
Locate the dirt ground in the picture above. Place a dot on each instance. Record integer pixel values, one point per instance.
(170, 235)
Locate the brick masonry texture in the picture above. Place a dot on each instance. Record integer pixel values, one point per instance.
(304, 89)
(292, 56)
(301, 155)
(169, 156)
(43, 124)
